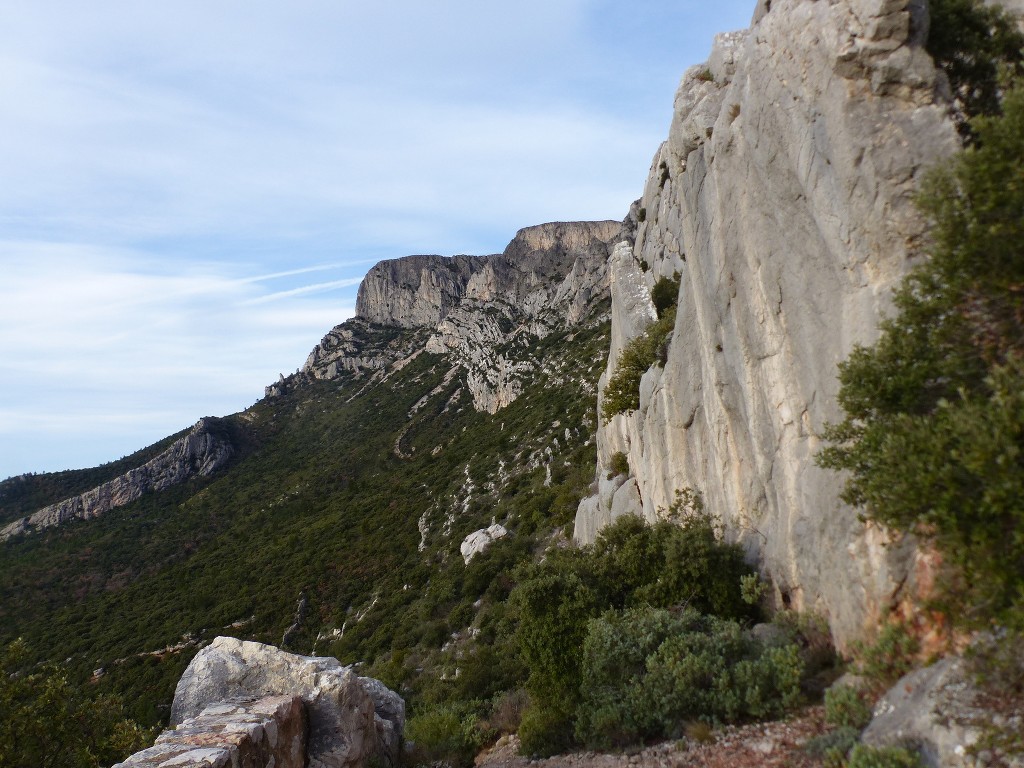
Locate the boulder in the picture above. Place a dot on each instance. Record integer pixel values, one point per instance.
(937, 711)
(345, 725)
(478, 541)
(247, 732)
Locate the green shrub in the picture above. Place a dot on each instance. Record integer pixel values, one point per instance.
(619, 465)
(844, 706)
(665, 294)
(863, 756)
(622, 393)
(889, 658)
(545, 731)
(46, 721)
(647, 670)
(445, 734)
(507, 711)
(972, 43)
(833, 746)
(631, 564)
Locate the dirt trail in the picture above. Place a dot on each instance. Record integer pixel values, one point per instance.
(765, 745)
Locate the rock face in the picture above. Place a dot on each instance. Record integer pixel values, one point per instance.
(351, 719)
(247, 732)
(783, 200)
(200, 453)
(485, 312)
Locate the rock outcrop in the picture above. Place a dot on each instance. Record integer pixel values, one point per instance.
(246, 732)
(485, 312)
(783, 200)
(351, 719)
(480, 541)
(200, 453)
(938, 711)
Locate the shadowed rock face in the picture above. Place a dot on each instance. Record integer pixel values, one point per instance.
(783, 200)
(200, 453)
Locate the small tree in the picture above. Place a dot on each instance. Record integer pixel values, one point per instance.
(933, 436)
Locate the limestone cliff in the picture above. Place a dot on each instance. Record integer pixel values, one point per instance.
(783, 200)
(485, 312)
(200, 453)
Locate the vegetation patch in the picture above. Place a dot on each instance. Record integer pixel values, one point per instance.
(935, 409)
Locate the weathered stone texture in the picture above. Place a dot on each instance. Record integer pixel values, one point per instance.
(200, 453)
(246, 732)
(783, 199)
(480, 541)
(936, 711)
(351, 719)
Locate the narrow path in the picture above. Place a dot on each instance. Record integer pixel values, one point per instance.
(777, 744)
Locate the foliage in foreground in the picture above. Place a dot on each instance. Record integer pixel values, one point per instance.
(974, 44)
(646, 671)
(658, 612)
(933, 436)
(46, 723)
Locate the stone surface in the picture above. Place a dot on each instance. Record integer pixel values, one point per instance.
(200, 453)
(246, 732)
(342, 709)
(783, 199)
(935, 711)
(479, 541)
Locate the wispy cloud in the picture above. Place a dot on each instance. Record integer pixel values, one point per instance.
(192, 190)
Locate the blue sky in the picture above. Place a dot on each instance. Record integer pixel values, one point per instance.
(192, 190)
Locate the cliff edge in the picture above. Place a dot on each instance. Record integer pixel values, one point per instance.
(783, 200)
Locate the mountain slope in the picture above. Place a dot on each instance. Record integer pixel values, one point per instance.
(353, 483)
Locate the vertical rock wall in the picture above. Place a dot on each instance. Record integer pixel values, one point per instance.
(783, 200)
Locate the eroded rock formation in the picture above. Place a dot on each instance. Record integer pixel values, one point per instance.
(246, 732)
(783, 200)
(200, 453)
(485, 312)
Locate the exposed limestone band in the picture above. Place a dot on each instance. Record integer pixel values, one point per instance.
(200, 453)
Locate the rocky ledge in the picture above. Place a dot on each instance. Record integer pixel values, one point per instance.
(200, 453)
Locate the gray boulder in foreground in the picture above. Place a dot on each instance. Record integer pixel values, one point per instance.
(935, 711)
(351, 719)
(242, 733)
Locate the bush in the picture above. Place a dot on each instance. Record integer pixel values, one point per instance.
(844, 706)
(619, 465)
(630, 564)
(445, 734)
(972, 42)
(622, 393)
(665, 294)
(48, 722)
(647, 670)
(889, 658)
(863, 756)
(545, 731)
(833, 746)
